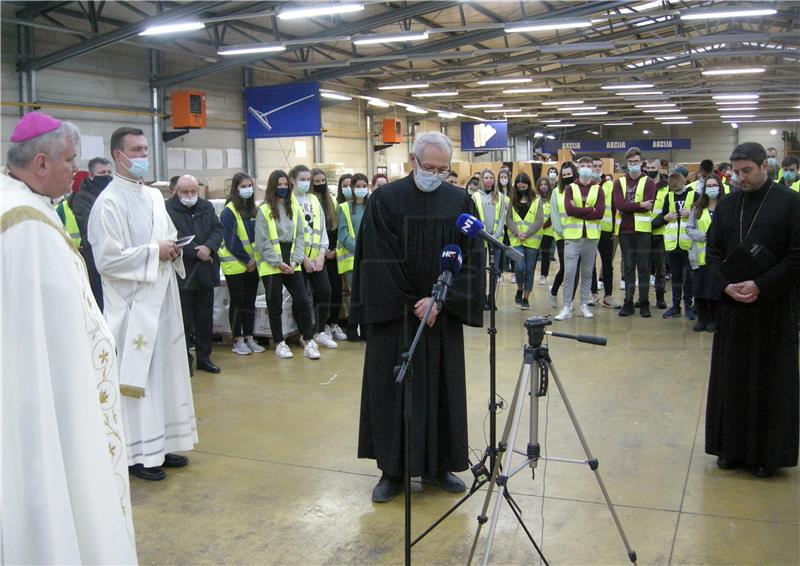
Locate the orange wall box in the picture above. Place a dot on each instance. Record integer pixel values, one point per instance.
(392, 131)
(188, 109)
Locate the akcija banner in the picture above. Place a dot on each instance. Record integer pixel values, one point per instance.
(605, 146)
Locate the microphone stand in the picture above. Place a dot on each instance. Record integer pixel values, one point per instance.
(403, 374)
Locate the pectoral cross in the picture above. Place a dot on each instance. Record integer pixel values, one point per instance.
(140, 342)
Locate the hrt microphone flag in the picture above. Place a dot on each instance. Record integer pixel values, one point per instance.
(451, 259)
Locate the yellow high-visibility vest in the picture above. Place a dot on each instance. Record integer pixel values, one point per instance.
(315, 230)
(229, 262)
(703, 223)
(674, 235)
(562, 211)
(522, 224)
(607, 222)
(573, 226)
(272, 233)
(796, 186)
(545, 217)
(345, 259)
(70, 222)
(658, 206)
(499, 210)
(642, 221)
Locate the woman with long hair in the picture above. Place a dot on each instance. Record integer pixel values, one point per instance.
(280, 241)
(378, 179)
(351, 212)
(545, 188)
(239, 262)
(525, 219)
(706, 292)
(492, 206)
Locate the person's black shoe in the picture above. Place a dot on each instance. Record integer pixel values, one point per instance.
(763, 472)
(447, 482)
(660, 302)
(525, 304)
(644, 310)
(386, 489)
(700, 325)
(672, 312)
(175, 461)
(725, 464)
(637, 304)
(208, 366)
(518, 297)
(627, 309)
(149, 474)
(711, 326)
(352, 334)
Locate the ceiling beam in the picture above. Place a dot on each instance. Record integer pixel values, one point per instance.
(38, 8)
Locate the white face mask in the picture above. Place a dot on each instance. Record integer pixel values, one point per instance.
(188, 201)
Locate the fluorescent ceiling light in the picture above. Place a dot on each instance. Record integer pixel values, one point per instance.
(582, 46)
(505, 81)
(593, 113)
(544, 25)
(734, 116)
(502, 110)
(319, 10)
(448, 115)
(378, 103)
(432, 94)
(665, 105)
(248, 49)
(735, 97)
(735, 102)
(737, 108)
(593, 132)
(618, 124)
(527, 90)
(372, 39)
(416, 109)
(562, 102)
(675, 123)
(662, 111)
(550, 136)
(484, 105)
(538, 135)
(645, 132)
(627, 86)
(742, 71)
(644, 93)
(576, 108)
(335, 96)
(552, 121)
(668, 118)
(173, 28)
(562, 125)
(734, 125)
(714, 14)
(524, 116)
(795, 106)
(406, 86)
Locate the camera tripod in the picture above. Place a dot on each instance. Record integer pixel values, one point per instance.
(536, 356)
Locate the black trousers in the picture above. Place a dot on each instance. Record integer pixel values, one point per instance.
(681, 276)
(545, 250)
(636, 256)
(321, 294)
(301, 308)
(198, 320)
(658, 261)
(243, 289)
(605, 249)
(334, 315)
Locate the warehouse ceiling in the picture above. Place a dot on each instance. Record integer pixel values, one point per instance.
(587, 65)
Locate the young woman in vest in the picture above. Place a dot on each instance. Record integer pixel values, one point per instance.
(569, 174)
(473, 185)
(239, 262)
(351, 211)
(525, 219)
(503, 180)
(280, 241)
(319, 184)
(705, 291)
(504, 186)
(316, 239)
(491, 205)
(544, 189)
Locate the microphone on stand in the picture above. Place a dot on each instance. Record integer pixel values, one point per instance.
(449, 265)
(472, 227)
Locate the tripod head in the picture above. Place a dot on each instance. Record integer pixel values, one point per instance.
(536, 333)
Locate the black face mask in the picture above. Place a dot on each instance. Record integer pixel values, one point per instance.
(320, 188)
(102, 181)
(653, 174)
(523, 190)
(566, 180)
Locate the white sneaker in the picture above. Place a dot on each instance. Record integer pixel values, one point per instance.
(565, 313)
(311, 351)
(542, 280)
(324, 339)
(253, 345)
(239, 347)
(554, 301)
(335, 331)
(594, 300)
(585, 312)
(622, 285)
(282, 350)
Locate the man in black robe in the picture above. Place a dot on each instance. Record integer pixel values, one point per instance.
(752, 413)
(405, 227)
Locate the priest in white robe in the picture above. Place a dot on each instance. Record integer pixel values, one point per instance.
(133, 242)
(65, 492)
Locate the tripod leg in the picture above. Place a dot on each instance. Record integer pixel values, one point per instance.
(593, 464)
(511, 422)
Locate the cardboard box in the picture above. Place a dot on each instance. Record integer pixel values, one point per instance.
(565, 155)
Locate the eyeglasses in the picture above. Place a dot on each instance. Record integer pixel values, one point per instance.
(440, 171)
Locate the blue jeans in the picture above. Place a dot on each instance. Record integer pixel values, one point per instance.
(524, 271)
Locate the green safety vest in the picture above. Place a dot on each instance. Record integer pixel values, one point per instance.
(562, 211)
(70, 222)
(573, 227)
(344, 257)
(642, 221)
(315, 230)
(499, 209)
(522, 225)
(703, 223)
(607, 222)
(546, 216)
(230, 263)
(272, 233)
(673, 235)
(796, 186)
(658, 206)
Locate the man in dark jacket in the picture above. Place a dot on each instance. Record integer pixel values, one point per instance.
(81, 202)
(195, 216)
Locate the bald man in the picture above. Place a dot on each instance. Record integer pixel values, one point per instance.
(196, 217)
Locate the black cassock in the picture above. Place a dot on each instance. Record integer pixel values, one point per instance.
(400, 242)
(752, 413)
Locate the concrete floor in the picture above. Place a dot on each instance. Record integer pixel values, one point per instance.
(275, 480)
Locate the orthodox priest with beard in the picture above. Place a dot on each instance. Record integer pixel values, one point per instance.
(752, 413)
(405, 227)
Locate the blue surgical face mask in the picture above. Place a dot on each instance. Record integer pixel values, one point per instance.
(139, 165)
(361, 192)
(635, 170)
(347, 192)
(788, 176)
(553, 175)
(712, 192)
(245, 192)
(282, 192)
(426, 181)
(303, 186)
(585, 173)
(597, 175)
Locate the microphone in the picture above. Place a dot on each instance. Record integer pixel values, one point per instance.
(449, 265)
(472, 227)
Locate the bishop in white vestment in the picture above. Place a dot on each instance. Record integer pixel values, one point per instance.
(65, 492)
(130, 232)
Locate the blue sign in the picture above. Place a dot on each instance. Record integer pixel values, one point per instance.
(484, 136)
(605, 146)
(283, 111)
